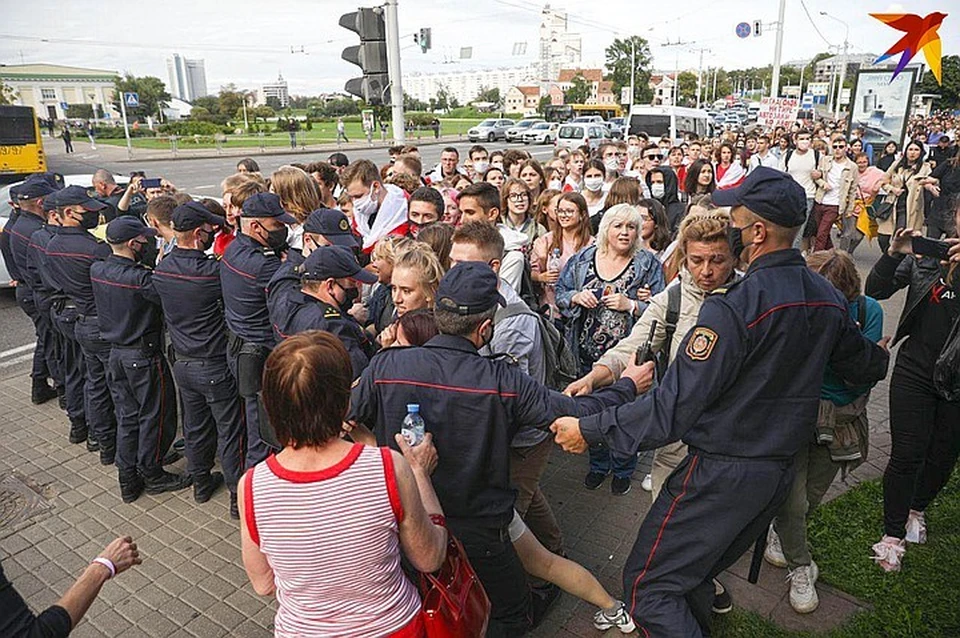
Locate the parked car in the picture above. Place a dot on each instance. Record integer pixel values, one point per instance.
(587, 119)
(616, 132)
(541, 133)
(732, 121)
(573, 136)
(515, 133)
(490, 130)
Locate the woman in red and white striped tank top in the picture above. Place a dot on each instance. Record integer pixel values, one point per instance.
(323, 521)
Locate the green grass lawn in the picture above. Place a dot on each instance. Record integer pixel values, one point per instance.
(921, 601)
(322, 132)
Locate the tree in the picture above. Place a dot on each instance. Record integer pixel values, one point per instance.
(949, 91)
(413, 104)
(687, 83)
(151, 91)
(545, 101)
(491, 95)
(579, 91)
(274, 102)
(443, 98)
(230, 99)
(619, 58)
(79, 111)
(209, 102)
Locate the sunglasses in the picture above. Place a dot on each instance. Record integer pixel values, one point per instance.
(658, 156)
(839, 146)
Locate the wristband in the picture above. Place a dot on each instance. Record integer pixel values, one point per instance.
(438, 519)
(106, 562)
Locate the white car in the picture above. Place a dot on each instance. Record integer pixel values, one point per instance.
(515, 133)
(573, 136)
(541, 133)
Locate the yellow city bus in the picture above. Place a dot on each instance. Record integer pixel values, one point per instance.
(566, 112)
(21, 150)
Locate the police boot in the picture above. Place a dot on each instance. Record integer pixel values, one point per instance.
(107, 454)
(205, 484)
(131, 486)
(41, 392)
(78, 431)
(62, 397)
(234, 508)
(164, 481)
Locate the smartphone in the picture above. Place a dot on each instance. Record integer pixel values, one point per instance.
(930, 247)
(153, 182)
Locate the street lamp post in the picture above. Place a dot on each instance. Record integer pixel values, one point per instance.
(843, 62)
(777, 52)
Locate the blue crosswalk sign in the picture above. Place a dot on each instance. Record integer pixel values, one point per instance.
(131, 99)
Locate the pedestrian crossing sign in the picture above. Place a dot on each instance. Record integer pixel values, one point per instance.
(131, 99)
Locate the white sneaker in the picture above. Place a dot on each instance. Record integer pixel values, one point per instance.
(647, 484)
(621, 620)
(803, 591)
(916, 528)
(889, 553)
(773, 554)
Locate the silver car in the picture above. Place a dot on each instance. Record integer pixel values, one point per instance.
(573, 136)
(541, 133)
(490, 130)
(515, 133)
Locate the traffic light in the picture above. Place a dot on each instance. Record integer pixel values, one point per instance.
(370, 55)
(424, 39)
(757, 27)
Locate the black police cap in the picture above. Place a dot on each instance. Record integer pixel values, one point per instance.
(266, 205)
(770, 194)
(125, 228)
(334, 262)
(469, 288)
(34, 187)
(333, 225)
(193, 215)
(78, 196)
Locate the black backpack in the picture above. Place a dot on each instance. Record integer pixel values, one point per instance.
(528, 289)
(670, 327)
(558, 361)
(786, 160)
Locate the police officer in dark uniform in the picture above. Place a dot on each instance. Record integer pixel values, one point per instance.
(743, 394)
(246, 268)
(331, 277)
(31, 218)
(188, 282)
(70, 254)
(130, 319)
(473, 406)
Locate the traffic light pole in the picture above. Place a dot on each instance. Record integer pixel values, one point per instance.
(393, 66)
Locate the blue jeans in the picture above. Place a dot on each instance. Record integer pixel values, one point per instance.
(603, 462)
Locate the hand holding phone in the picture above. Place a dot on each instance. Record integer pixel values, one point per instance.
(930, 248)
(152, 182)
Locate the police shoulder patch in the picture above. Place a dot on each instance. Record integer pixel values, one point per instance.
(331, 313)
(701, 344)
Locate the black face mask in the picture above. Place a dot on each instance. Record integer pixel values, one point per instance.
(150, 253)
(735, 237)
(90, 219)
(139, 251)
(350, 296)
(487, 337)
(277, 239)
(207, 242)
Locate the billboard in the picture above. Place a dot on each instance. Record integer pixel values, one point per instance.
(881, 105)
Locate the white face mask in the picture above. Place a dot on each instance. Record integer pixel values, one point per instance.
(633, 151)
(656, 190)
(803, 145)
(593, 184)
(366, 205)
(481, 167)
(631, 173)
(555, 184)
(611, 164)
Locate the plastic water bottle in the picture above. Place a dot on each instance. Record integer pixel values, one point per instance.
(413, 428)
(553, 262)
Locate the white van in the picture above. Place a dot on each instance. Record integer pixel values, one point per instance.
(573, 136)
(672, 121)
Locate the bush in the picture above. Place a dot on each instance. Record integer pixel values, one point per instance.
(420, 119)
(116, 132)
(185, 128)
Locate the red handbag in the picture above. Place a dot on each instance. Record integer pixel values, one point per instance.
(454, 603)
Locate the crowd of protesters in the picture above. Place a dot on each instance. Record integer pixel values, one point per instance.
(497, 293)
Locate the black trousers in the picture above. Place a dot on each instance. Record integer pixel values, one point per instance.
(146, 408)
(74, 366)
(53, 341)
(925, 443)
(26, 302)
(709, 512)
(257, 449)
(499, 569)
(98, 403)
(213, 420)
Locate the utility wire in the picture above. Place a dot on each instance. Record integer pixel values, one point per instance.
(814, 24)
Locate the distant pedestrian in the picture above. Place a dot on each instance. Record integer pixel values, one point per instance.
(292, 127)
(67, 139)
(341, 134)
(383, 131)
(90, 135)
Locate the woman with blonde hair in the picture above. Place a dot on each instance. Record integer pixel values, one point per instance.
(380, 310)
(298, 192)
(416, 275)
(516, 204)
(601, 292)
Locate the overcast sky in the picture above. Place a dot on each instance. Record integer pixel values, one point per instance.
(248, 43)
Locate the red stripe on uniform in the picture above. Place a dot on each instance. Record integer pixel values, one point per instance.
(799, 304)
(451, 388)
(114, 284)
(653, 550)
(239, 272)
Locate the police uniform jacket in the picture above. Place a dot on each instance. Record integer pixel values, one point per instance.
(34, 267)
(69, 256)
(6, 249)
(128, 307)
(188, 282)
(24, 228)
(746, 381)
(473, 406)
(308, 313)
(284, 283)
(245, 270)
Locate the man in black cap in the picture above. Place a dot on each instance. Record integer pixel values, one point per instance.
(128, 312)
(473, 406)
(31, 218)
(69, 256)
(246, 268)
(331, 278)
(188, 282)
(730, 397)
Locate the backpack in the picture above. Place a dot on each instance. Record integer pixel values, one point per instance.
(786, 160)
(670, 326)
(558, 361)
(528, 290)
